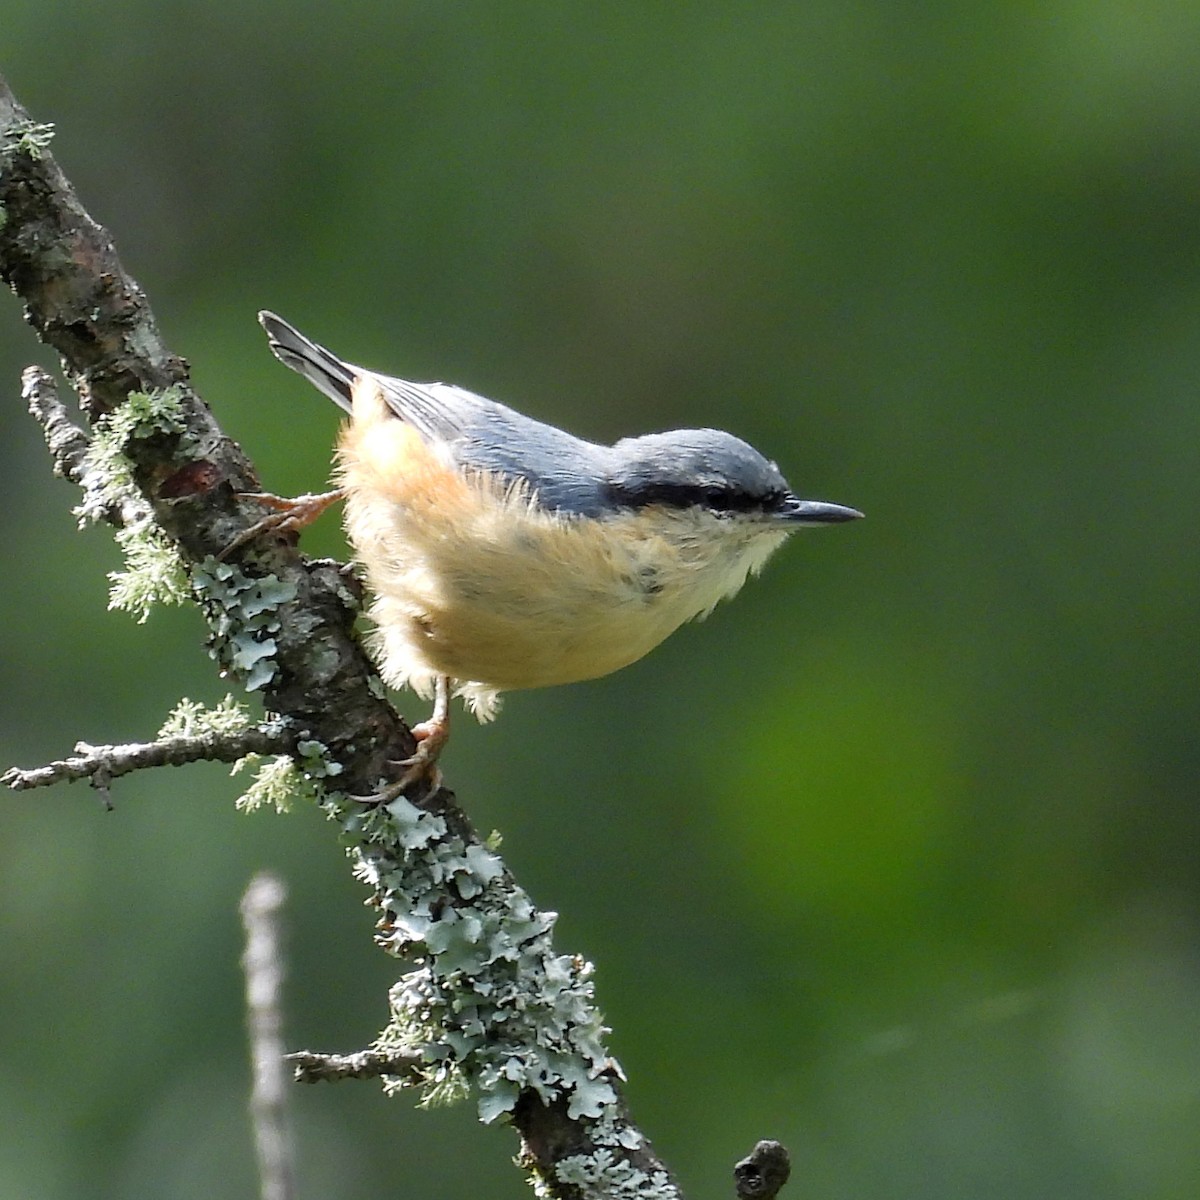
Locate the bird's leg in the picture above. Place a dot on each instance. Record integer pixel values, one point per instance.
(432, 736)
(291, 513)
(435, 733)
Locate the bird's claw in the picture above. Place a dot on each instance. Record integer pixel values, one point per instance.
(292, 513)
(421, 766)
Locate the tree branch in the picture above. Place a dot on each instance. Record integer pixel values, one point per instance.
(311, 1066)
(67, 443)
(187, 474)
(763, 1171)
(492, 1006)
(263, 964)
(102, 764)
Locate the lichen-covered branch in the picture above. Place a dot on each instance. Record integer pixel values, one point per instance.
(179, 475)
(311, 1066)
(66, 441)
(491, 1007)
(102, 764)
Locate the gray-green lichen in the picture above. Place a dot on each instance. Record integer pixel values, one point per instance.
(243, 614)
(29, 137)
(281, 782)
(153, 572)
(106, 475)
(190, 718)
(277, 784)
(490, 1002)
(607, 1174)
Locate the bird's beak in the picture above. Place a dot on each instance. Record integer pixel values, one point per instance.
(815, 512)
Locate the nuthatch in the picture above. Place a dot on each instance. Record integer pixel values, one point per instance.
(504, 553)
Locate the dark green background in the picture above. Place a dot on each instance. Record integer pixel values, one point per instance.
(897, 858)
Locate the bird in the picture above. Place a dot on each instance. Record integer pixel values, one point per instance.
(503, 553)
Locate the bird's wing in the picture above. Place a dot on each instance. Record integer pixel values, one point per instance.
(565, 472)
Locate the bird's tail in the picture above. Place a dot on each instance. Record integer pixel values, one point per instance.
(325, 371)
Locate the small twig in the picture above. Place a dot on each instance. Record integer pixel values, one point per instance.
(67, 441)
(311, 1066)
(263, 964)
(763, 1171)
(102, 764)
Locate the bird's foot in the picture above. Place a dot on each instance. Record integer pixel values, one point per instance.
(431, 736)
(292, 513)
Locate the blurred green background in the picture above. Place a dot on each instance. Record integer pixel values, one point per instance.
(896, 858)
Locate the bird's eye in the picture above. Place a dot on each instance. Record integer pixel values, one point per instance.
(721, 499)
(727, 500)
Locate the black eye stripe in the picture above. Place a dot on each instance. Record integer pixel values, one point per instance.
(688, 495)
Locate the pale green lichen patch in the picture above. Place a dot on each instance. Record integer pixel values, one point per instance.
(190, 718)
(277, 784)
(106, 475)
(153, 573)
(243, 614)
(491, 1003)
(147, 413)
(281, 782)
(606, 1175)
(29, 137)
